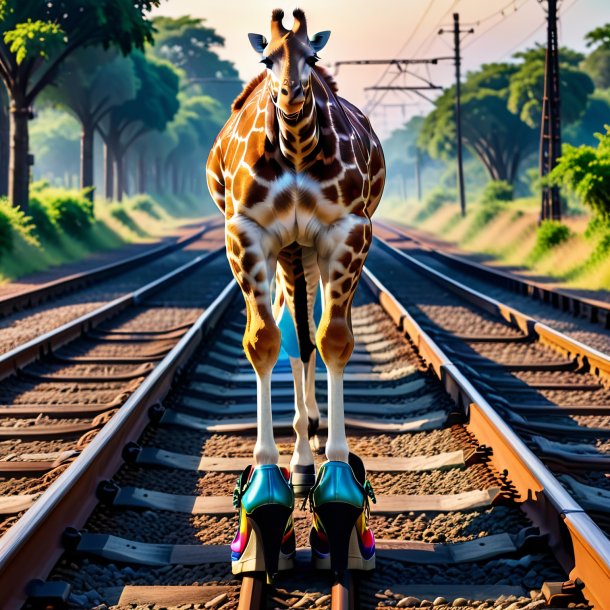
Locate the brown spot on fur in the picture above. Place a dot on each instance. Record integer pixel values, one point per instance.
(248, 261)
(283, 202)
(256, 193)
(345, 259)
(355, 240)
(331, 193)
(307, 201)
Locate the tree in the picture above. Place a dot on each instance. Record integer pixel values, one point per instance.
(527, 86)
(154, 106)
(188, 44)
(586, 171)
(490, 131)
(195, 128)
(592, 121)
(36, 37)
(597, 64)
(88, 85)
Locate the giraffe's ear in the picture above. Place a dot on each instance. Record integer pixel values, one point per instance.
(318, 42)
(258, 42)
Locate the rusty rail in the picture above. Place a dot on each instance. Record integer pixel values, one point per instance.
(596, 311)
(581, 547)
(33, 545)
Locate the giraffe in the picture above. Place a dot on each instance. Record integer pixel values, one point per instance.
(298, 172)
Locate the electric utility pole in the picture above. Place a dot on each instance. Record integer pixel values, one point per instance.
(458, 107)
(550, 129)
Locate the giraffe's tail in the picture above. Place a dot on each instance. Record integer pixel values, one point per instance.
(297, 301)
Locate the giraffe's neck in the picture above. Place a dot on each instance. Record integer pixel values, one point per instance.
(299, 136)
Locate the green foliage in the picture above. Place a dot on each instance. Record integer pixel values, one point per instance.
(491, 132)
(187, 43)
(484, 215)
(527, 86)
(34, 39)
(599, 36)
(146, 204)
(13, 222)
(497, 190)
(597, 65)
(434, 201)
(586, 171)
(69, 210)
(549, 235)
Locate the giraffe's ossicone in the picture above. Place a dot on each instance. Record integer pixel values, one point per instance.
(298, 173)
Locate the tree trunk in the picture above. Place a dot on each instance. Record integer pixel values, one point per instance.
(159, 175)
(86, 159)
(4, 148)
(141, 172)
(175, 186)
(120, 177)
(108, 172)
(19, 163)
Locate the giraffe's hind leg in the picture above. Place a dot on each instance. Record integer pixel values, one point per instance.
(298, 278)
(253, 266)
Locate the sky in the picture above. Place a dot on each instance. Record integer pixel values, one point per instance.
(386, 29)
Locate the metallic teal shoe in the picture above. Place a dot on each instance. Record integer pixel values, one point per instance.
(265, 540)
(340, 537)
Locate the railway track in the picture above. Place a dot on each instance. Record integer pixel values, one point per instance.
(455, 474)
(579, 316)
(27, 314)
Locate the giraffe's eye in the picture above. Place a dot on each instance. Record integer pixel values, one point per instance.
(312, 60)
(267, 62)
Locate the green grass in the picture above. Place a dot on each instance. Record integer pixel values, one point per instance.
(575, 252)
(63, 226)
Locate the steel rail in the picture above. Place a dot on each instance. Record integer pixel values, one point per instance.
(55, 288)
(598, 362)
(580, 546)
(594, 310)
(12, 361)
(33, 545)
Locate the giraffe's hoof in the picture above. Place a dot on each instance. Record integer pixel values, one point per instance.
(302, 479)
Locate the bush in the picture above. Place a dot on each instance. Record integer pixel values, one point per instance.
(586, 172)
(434, 201)
(550, 234)
(146, 204)
(71, 211)
(14, 222)
(45, 219)
(497, 190)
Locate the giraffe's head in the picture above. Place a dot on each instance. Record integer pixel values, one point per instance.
(289, 58)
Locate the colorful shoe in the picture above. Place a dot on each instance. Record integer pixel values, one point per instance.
(265, 540)
(340, 537)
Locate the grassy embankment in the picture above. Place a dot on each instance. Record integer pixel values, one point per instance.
(576, 252)
(62, 226)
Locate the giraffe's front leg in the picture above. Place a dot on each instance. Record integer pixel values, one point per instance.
(265, 538)
(249, 251)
